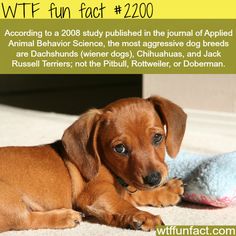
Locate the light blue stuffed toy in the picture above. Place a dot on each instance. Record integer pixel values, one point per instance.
(209, 180)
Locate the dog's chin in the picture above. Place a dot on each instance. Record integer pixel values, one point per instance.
(141, 186)
(144, 187)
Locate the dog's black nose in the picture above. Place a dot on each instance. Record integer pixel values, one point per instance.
(152, 179)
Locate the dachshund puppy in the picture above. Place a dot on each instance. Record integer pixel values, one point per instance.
(107, 163)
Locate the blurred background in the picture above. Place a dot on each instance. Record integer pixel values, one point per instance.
(202, 92)
(73, 94)
(70, 94)
(209, 101)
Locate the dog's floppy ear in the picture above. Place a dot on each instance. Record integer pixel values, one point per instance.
(175, 120)
(80, 143)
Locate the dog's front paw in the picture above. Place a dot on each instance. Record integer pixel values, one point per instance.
(66, 218)
(170, 194)
(145, 221)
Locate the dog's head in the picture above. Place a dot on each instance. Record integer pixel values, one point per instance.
(129, 137)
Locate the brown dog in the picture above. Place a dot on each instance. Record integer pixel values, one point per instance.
(108, 162)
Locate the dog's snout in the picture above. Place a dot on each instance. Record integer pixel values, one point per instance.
(152, 179)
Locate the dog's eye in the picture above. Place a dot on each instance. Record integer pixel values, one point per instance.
(157, 139)
(121, 149)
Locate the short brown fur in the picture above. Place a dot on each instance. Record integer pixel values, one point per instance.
(44, 186)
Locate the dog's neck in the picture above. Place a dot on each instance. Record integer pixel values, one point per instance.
(129, 188)
(121, 182)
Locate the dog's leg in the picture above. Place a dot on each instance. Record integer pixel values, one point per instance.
(102, 201)
(16, 213)
(167, 195)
